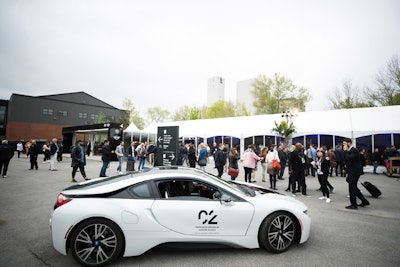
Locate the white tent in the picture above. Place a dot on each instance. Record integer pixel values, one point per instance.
(352, 123)
(132, 128)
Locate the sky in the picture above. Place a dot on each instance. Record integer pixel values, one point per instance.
(160, 53)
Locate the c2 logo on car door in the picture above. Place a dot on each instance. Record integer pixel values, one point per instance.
(208, 221)
(207, 215)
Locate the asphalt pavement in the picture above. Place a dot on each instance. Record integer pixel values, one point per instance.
(368, 236)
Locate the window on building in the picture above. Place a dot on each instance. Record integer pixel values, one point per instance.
(62, 113)
(94, 116)
(2, 115)
(82, 115)
(47, 111)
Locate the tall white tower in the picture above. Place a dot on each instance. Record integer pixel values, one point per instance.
(244, 95)
(215, 90)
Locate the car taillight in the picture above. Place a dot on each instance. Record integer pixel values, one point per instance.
(61, 200)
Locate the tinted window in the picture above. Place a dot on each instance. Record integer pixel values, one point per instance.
(141, 191)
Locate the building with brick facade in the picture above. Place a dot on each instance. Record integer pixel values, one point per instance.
(44, 117)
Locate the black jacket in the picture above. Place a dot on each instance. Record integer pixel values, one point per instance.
(53, 149)
(106, 153)
(76, 155)
(296, 161)
(219, 158)
(6, 152)
(353, 163)
(33, 150)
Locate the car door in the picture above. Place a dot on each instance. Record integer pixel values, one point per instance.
(196, 215)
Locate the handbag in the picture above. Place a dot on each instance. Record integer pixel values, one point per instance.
(275, 164)
(233, 172)
(130, 158)
(202, 162)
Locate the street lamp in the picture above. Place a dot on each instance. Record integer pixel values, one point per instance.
(288, 115)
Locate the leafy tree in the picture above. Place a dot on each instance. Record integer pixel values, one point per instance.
(387, 92)
(222, 109)
(347, 97)
(284, 129)
(277, 94)
(187, 113)
(132, 115)
(157, 114)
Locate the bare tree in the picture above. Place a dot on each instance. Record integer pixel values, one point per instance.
(347, 97)
(387, 91)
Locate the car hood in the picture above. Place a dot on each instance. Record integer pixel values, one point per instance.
(279, 201)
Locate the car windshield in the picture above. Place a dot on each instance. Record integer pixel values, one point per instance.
(242, 190)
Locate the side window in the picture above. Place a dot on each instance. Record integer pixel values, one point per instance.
(187, 189)
(141, 191)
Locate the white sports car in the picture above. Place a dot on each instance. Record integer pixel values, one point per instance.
(104, 219)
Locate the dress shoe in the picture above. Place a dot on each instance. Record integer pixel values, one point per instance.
(364, 204)
(351, 207)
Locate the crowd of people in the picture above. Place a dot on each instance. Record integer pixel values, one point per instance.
(300, 161)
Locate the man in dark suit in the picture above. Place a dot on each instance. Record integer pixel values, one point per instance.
(353, 170)
(296, 169)
(220, 159)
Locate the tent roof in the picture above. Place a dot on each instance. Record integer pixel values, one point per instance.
(132, 128)
(346, 122)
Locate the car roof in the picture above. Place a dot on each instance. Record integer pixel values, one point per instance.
(111, 184)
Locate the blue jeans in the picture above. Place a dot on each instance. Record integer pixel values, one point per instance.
(375, 163)
(120, 160)
(104, 168)
(141, 163)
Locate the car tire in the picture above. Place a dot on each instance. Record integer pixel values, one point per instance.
(277, 232)
(97, 242)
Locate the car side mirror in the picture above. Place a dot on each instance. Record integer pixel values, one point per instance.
(225, 198)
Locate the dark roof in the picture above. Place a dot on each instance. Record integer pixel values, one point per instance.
(75, 97)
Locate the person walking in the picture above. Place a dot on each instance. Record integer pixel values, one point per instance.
(233, 160)
(272, 155)
(20, 148)
(192, 156)
(263, 155)
(132, 155)
(322, 165)
(283, 157)
(119, 151)
(88, 148)
(6, 153)
(376, 159)
(60, 152)
(33, 153)
(202, 157)
(105, 157)
(142, 154)
(353, 171)
(339, 154)
(296, 169)
(220, 159)
(78, 160)
(249, 162)
(46, 152)
(290, 180)
(53, 154)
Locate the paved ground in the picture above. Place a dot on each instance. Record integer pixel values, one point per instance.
(365, 237)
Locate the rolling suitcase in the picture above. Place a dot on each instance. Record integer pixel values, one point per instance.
(372, 189)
